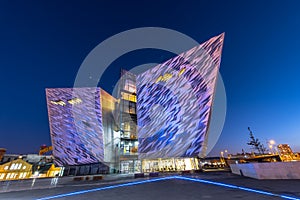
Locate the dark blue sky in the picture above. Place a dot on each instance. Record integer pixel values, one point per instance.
(44, 43)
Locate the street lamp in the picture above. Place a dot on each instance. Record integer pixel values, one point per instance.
(271, 143)
(222, 154)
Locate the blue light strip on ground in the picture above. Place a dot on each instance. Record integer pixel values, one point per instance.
(236, 187)
(168, 178)
(105, 188)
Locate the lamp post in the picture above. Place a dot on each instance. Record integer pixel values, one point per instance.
(271, 143)
(222, 157)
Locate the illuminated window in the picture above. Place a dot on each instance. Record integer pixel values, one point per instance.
(8, 175)
(164, 78)
(128, 97)
(12, 175)
(126, 127)
(181, 71)
(12, 167)
(75, 101)
(130, 86)
(132, 108)
(16, 166)
(2, 175)
(20, 165)
(6, 168)
(61, 103)
(22, 175)
(24, 167)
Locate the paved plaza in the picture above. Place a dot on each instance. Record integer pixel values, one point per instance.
(214, 185)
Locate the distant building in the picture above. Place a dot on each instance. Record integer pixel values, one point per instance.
(285, 152)
(16, 169)
(48, 170)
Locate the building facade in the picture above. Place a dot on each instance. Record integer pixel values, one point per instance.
(174, 101)
(82, 127)
(158, 122)
(16, 169)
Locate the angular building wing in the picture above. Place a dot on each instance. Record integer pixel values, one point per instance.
(75, 125)
(174, 101)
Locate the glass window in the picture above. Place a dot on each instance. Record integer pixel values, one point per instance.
(128, 97)
(12, 166)
(20, 165)
(130, 86)
(132, 108)
(8, 175)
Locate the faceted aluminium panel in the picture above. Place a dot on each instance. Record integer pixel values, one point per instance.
(174, 101)
(75, 118)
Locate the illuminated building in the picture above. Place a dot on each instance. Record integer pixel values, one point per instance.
(285, 152)
(174, 101)
(20, 169)
(76, 128)
(16, 169)
(48, 170)
(171, 104)
(82, 127)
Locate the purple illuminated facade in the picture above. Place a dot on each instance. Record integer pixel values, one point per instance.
(76, 125)
(174, 101)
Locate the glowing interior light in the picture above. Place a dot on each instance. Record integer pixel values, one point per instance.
(181, 71)
(12, 166)
(158, 79)
(74, 101)
(61, 103)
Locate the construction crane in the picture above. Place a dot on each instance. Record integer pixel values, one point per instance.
(254, 142)
(44, 149)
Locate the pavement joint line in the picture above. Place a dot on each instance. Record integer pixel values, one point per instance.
(237, 187)
(105, 188)
(168, 178)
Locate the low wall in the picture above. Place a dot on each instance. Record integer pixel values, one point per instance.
(41, 183)
(269, 170)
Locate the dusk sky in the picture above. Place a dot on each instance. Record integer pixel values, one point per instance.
(43, 44)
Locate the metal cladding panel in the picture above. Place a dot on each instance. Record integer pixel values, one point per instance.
(174, 101)
(75, 118)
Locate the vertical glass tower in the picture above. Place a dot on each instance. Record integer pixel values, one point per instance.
(128, 123)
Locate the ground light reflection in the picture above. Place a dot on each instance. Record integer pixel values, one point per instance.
(168, 178)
